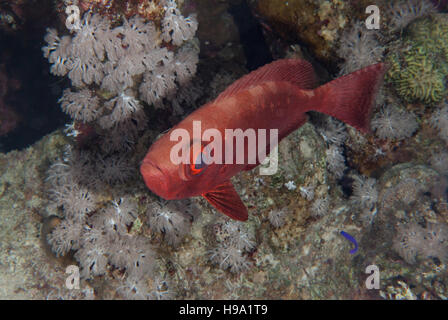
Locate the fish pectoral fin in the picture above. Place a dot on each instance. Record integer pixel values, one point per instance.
(226, 200)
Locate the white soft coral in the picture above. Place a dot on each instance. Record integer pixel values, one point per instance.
(53, 41)
(171, 219)
(137, 34)
(88, 40)
(359, 47)
(394, 123)
(115, 59)
(80, 105)
(82, 56)
(439, 120)
(185, 65)
(401, 13)
(59, 54)
(176, 28)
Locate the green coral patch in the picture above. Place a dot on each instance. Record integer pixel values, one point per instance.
(419, 68)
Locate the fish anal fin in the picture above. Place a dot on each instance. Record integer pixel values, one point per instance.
(296, 71)
(226, 200)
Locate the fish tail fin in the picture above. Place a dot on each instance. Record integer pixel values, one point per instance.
(350, 98)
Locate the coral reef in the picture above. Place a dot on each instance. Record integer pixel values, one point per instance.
(402, 189)
(116, 69)
(298, 259)
(234, 240)
(430, 242)
(88, 229)
(401, 13)
(411, 225)
(307, 192)
(27, 264)
(332, 130)
(419, 64)
(277, 217)
(439, 161)
(176, 28)
(116, 10)
(439, 120)
(75, 198)
(317, 23)
(103, 233)
(335, 161)
(320, 207)
(172, 219)
(365, 193)
(359, 47)
(393, 123)
(112, 58)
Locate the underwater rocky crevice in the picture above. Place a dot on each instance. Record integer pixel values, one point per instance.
(34, 97)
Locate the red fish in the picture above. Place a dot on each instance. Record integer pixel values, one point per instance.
(276, 96)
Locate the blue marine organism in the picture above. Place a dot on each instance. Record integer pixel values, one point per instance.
(351, 239)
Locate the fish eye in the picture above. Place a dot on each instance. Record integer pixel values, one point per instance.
(196, 166)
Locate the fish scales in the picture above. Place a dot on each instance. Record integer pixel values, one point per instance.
(276, 96)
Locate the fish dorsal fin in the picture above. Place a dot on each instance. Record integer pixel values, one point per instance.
(226, 200)
(295, 71)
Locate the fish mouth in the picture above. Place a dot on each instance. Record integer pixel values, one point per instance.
(155, 179)
(154, 166)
